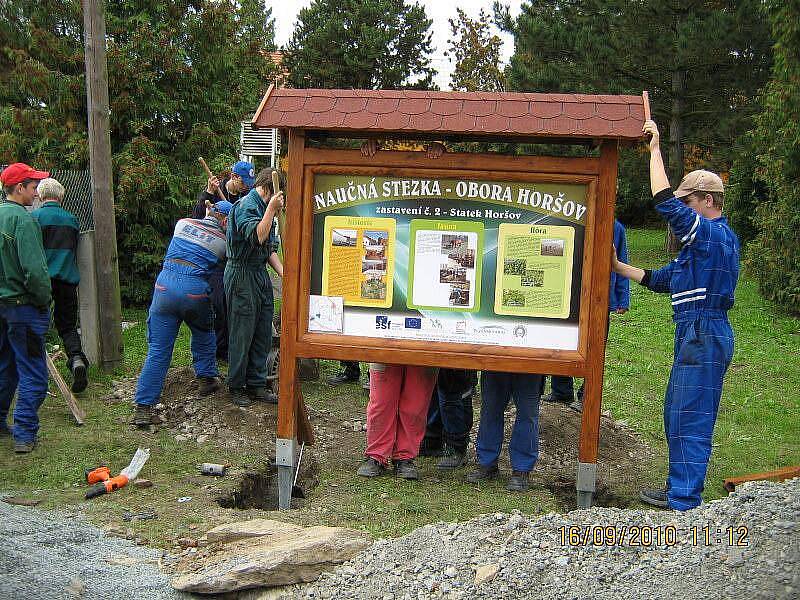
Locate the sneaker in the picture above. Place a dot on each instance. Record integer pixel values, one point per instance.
(577, 406)
(79, 379)
(482, 473)
(371, 468)
(241, 398)
(262, 394)
(343, 377)
(143, 416)
(451, 459)
(24, 447)
(657, 498)
(208, 385)
(557, 400)
(518, 482)
(406, 469)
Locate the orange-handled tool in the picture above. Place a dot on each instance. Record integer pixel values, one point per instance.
(97, 474)
(106, 487)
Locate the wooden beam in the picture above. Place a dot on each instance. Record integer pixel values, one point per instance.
(288, 393)
(777, 475)
(261, 106)
(598, 319)
(106, 259)
(66, 393)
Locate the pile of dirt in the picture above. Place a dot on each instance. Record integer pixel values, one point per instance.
(623, 458)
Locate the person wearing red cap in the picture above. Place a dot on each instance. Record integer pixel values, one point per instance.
(24, 307)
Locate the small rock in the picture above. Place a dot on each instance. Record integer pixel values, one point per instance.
(76, 587)
(142, 483)
(346, 425)
(202, 439)
(181, 437)
(485, 572)
(117, 394)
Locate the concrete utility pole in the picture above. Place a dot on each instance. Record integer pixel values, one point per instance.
(105, 243)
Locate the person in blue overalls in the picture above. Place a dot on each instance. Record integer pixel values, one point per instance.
(701, 281)
(183, 294)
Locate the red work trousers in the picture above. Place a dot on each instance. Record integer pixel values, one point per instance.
(397, 411)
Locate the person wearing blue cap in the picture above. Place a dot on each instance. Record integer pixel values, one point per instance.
(234, 187)
(183, 294)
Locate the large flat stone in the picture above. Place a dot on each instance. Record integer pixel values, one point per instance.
(281, 554)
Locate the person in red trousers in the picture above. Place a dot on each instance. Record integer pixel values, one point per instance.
(396, 418)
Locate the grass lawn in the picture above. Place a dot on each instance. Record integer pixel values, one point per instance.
(758, 429)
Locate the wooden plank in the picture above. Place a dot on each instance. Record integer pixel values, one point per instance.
(455, 161)
(261, 106)
(289, 389)
(777, 475)
(66, 393)
(598, 318)
(105, 243)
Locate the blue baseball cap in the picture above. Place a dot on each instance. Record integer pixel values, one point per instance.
(223, 206)
(246, 171)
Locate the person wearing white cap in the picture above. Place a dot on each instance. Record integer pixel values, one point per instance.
(701, 281)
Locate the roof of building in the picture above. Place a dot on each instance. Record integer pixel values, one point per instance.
(412, 112)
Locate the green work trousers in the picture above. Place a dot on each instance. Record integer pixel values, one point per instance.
(248, 291)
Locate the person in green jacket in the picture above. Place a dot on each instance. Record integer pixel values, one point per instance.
(24, 307)
(60, 231)
(252, 245)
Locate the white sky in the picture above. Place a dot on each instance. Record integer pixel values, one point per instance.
(285, 14)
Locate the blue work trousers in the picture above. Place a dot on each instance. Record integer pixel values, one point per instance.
(703, 352)
(23, 367)
(180, 295)
(497, 389)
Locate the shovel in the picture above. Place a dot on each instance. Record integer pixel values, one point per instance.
(297, 491)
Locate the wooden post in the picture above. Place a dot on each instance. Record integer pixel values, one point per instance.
(289, 392)
(598, 321)
(106, 259)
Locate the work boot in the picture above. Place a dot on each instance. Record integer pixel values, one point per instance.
(482, 473)
(371, 468)
(518, 482)
(241, 398)
(557, 399)
(262, 394)
(451, 459)
(79, 379)
(657, 498)
(342, 377)
(143, 416)
(406, 469)
(207, 385)
(24, 447)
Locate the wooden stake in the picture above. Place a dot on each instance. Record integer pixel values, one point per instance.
(72, 403)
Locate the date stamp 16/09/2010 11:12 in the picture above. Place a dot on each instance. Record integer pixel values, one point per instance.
(654, 535)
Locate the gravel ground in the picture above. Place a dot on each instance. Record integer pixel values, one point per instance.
(52, 555)
(527, 558)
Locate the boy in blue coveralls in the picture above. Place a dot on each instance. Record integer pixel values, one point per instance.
(183, 293)
(701, 281)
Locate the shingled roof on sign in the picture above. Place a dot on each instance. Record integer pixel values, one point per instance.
(412, 112)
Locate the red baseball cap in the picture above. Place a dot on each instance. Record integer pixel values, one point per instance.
(19, 172)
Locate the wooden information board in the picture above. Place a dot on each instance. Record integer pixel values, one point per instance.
(470, 261)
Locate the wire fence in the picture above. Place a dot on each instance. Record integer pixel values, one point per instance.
(77, 196)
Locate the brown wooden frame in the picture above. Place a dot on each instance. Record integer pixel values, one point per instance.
(600, 175)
